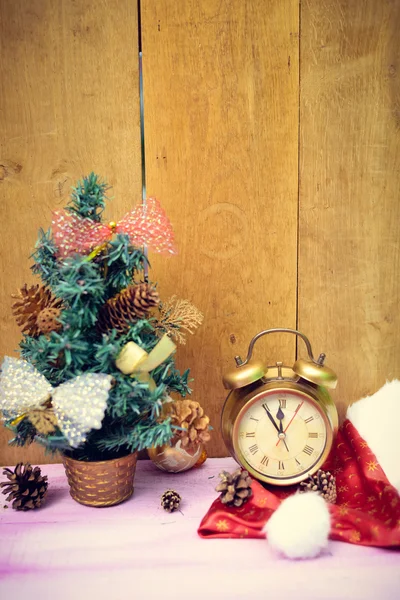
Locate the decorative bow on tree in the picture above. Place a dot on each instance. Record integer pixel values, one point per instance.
(136, 362)
(77, 405)
(146, 225)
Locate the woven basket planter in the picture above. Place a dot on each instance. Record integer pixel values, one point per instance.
(102, 483)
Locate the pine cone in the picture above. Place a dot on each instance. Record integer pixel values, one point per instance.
(26, 487)
(32, 307)
(128, 306)
(43, 420)
(189, 415)
(235, 488)
(322, 482)
(170, 500)
(47, 320)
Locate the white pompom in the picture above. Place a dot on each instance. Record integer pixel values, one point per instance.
(300, 526)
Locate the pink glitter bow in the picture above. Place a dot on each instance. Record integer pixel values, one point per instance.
(146, 225)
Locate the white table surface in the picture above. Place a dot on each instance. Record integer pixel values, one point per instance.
(137, 550)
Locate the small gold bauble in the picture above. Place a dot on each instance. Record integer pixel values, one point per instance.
(174, 458)
(202, 459)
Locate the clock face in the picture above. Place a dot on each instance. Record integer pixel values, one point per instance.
(281, 435)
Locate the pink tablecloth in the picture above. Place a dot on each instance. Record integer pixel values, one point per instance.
(137, 551)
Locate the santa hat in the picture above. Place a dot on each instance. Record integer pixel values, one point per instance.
(365, 462)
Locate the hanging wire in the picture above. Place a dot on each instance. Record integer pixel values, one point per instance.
(142, 142)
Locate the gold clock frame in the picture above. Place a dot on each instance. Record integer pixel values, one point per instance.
(324, 409)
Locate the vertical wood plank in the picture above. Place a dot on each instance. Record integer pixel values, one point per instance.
(349, 285)
(69, 104)
(221, 134)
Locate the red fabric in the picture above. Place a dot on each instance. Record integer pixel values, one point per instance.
(367, 511)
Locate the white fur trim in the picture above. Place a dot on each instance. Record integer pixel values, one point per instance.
(299, 528)
(376, 419)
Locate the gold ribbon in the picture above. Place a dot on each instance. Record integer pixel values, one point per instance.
(136, 362)
(18, 420)
(112, 227)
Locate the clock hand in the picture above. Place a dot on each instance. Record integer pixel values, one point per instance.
(271, 418)
(280, 416)
(288, 425)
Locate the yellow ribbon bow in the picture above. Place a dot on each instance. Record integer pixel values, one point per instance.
(136, 362)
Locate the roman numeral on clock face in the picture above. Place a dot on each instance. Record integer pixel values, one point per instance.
(308, 450)
(253, 449)
(281, 466)
(265, 460)
(265, 407)
(251, 434)
(309, 419)
(254, 419)
(282, 402)
(312, 434)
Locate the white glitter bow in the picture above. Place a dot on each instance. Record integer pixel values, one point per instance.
(79, 404)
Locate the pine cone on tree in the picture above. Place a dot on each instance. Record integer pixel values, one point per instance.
(133, 303)
(235, 488)
(170, 500)
(43, 420)
(323, 482)
(26, 486)
(36, 310)
(190, 417)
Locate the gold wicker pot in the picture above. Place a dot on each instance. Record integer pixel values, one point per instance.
(102, 483)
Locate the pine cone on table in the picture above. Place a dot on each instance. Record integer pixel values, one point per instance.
(170, 500)
(133, 303)
(235, 488)
(36, 310)
(323, 482)
(26, 486)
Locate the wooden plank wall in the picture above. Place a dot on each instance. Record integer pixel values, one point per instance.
(68, 105)
(273, 228)
(221, 124)
(349, 226)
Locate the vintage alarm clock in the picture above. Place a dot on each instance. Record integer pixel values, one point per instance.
(278, 422)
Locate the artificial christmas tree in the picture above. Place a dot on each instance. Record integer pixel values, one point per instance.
(68, 392)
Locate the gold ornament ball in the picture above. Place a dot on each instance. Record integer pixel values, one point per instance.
(202, 459)
(175, 458)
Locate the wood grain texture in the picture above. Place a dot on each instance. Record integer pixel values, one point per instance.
(349, 286)
(221, 134)
(69, 104)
